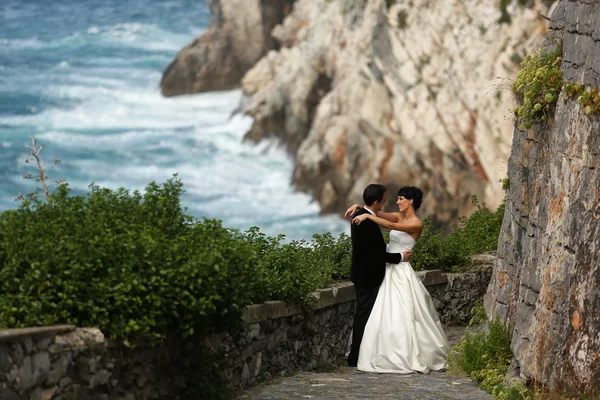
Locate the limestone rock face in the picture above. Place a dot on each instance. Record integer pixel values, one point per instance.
(406, 94)
(238, 36)
(546, 282)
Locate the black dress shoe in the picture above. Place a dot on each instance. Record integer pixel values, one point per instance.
(352, 363)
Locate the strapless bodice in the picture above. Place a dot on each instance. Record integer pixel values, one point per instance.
(400, 241)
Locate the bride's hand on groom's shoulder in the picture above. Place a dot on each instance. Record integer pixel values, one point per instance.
(351, 210)
(360, 218)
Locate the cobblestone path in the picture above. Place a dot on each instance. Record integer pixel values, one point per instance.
(349, 383)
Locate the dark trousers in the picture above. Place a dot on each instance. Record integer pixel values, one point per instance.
(365, 299)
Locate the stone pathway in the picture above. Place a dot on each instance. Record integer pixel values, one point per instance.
(349, 383)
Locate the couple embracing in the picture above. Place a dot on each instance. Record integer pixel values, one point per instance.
(396, 328)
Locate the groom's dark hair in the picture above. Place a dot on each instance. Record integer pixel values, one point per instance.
(374, 192)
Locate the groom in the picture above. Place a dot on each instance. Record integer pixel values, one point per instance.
(368, 263)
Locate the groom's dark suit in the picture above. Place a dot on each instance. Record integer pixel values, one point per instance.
(367, 272)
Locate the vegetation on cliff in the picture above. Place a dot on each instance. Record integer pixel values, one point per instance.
(537, 87)
(589, 98)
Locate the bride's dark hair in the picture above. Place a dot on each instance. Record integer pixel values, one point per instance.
(412, 193)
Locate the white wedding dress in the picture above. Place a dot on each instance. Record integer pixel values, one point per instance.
(403, 333)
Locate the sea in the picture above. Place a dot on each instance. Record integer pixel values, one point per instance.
(82, 77)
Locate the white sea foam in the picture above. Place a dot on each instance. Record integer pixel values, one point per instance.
(101, 113)
(114, 108)
(141, 36)
(134, 35)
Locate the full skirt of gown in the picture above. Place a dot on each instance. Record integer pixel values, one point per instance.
(403, 334)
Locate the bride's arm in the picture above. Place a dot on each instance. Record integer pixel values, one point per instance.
(408, 227)
(393, 217)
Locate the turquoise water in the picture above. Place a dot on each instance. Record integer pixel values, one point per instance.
(83, 76)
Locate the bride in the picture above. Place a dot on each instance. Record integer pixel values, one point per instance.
(403, 333)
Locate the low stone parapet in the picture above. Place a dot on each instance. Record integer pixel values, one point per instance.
(65, 362)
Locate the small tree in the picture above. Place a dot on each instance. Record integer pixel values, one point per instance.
(41, 177)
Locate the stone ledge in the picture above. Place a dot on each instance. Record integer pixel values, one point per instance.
(485, 259)
(11, 334)
(432, 277)
(340, 293)
(269, 310)
(337, 294)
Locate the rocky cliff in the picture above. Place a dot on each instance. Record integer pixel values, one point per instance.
(238, 36)
(546, 282)
(398, 92)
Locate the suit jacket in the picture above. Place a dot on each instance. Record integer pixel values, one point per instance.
(368, 254)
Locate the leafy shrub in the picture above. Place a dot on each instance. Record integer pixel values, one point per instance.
(473, 235)
(484, 355)
(433, 251)
(135, 266)
(290, 271)
(537, 87)
(478, 315)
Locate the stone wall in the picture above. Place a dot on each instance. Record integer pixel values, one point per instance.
(545, 283)
(67, 363)
(457, 293)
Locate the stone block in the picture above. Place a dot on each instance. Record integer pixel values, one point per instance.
(40, 366)
(27, 343)
(5, 361)
(48, 393)
(58, 369)
(64, 382)
(36, 394)
(7, 394)
(25, 376)
(16, 353)
(44, 342)
(433, 277)
(99, 378)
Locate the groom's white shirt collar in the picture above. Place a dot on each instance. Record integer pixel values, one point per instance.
(372, 213)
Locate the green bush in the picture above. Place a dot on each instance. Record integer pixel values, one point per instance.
(537, 87)
(133, 265)
(484, 355)
(137, 267)
(473, 235)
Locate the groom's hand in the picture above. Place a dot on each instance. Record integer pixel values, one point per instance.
(406, 255)
(393, 258)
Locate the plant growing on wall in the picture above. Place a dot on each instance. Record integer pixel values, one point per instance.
(538, 86)
(589, 99)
